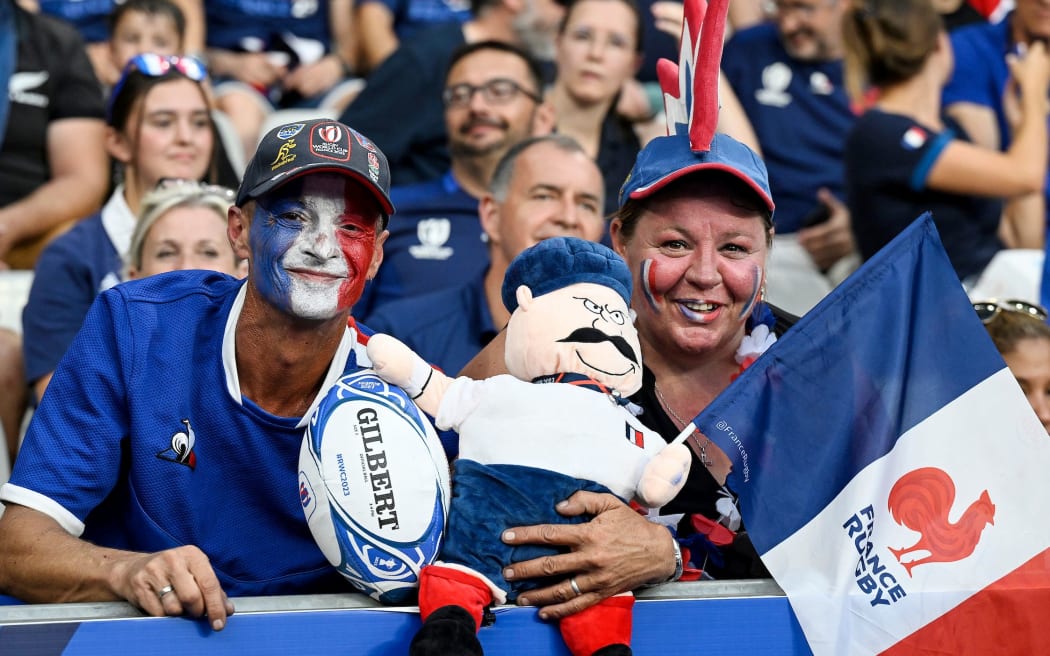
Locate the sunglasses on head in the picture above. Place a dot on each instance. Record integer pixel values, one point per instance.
(988, 310)
(193, 186)
(153, 65)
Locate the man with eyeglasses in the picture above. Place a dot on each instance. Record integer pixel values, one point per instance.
(493, 100)
(160, 465)
(788, 75)
(400, 106)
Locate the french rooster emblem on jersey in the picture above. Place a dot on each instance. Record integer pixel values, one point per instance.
(181, 449)
(921, 500)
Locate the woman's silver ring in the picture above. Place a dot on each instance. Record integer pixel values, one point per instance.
(575, 588)
(169, 588)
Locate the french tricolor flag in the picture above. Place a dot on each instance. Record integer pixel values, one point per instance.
(892, 475)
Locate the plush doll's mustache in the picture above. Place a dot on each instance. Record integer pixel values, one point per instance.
(593, 336)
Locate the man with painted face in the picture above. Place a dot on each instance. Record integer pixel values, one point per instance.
(157, 465)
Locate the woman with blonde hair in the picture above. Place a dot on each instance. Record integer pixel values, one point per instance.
(904, 156)
(183, 226)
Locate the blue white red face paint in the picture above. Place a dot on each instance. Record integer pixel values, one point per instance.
(313, 244)
(756, 292)
(648, 278)
(659, 277)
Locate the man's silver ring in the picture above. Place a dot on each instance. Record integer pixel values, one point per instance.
(575, 588)
(169, 588)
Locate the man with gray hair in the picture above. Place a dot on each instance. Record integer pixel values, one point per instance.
(542, 187)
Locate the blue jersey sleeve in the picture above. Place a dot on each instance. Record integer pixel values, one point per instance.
(980, 71)
(73, 452)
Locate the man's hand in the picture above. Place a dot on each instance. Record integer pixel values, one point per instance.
(194, 589)
(312, 79)
(829, 242)
(618, 550)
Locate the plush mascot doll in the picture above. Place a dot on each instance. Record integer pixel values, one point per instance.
(558, 424)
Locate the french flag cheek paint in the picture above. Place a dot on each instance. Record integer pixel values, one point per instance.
(648, 273)
(660, 276)
(269, 242)
(358, 251)
(756, 290)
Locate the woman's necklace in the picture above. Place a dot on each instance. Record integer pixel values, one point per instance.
(681, 423)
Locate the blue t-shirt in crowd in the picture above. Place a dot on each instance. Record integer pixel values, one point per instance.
(447, 328)
(435, 242)
(888, 159)
(69, 274)
(229, 22)
(90, 17)
(410, 16)
(800, 113)
(401, 110)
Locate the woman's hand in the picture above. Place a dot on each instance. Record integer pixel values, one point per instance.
(616, 551)
(668, 16)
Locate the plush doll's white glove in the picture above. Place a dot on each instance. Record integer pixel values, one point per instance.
(664, 476)
(399, 365)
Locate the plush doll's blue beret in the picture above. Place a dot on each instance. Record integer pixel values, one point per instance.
(563, 261)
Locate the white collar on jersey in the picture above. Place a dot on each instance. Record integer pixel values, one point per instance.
(229, 358)
(118, 221)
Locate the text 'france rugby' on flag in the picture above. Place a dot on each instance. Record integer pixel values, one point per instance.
(891, 473)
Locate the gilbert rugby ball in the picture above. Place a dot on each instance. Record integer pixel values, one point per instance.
(374, 486)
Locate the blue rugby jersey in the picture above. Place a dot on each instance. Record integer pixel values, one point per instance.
(109, 454)
(436, 242)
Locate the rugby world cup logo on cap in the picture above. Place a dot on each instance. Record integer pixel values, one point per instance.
(330, 141)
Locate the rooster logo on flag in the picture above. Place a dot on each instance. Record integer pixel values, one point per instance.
(921, 500)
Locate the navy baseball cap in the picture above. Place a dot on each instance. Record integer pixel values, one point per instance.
(562, 261)
(294, 149)
(666, 159)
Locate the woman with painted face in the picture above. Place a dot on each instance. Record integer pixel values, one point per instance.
(158, 126)
(698, 247)
(695, 229)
